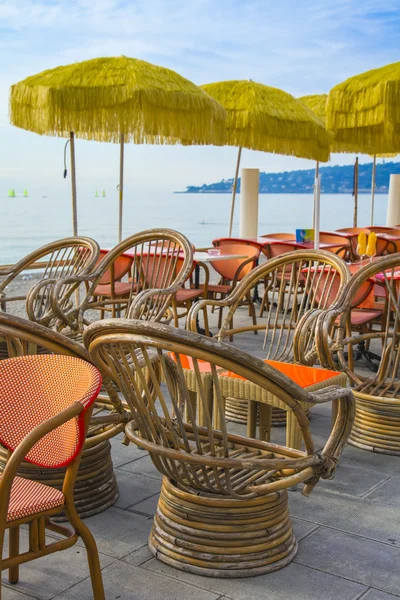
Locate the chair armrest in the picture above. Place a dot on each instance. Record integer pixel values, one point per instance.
(339, 434)
(27, 443)
(151, 304)
(59, 300)
(201, 305)
(239, 270)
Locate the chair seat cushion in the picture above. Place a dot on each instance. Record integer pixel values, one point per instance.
(359, 317)
(183, 294)
(122, 288)
(31, 497)
(219, 288)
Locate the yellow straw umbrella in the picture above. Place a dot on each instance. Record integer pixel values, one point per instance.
(318, 104)
(365, 110)
(264, 118)
(116, 100)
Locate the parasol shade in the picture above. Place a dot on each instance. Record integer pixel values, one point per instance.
(264, 118)
(101, 99)
(365, 110)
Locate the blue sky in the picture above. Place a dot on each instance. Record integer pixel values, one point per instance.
(303, 47)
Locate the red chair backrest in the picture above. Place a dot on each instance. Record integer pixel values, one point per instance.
(121, 266)
(35, 388)
(228, 268)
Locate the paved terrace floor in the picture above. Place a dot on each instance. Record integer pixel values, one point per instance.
(348, 532)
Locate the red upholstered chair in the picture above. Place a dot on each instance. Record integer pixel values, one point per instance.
(45, 408)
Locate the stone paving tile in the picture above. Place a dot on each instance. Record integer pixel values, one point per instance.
(143, 466)
(378, 595)
(139, 556)
(388, 493)
(302, 528)
(352, 480)
(50, 575)
(348, 513)
(294, 582)
(118, 532)
(122, 454)
(352, 557)
(10, 593)
(148, 507)
(124, 581)
(134, 488)
(370, 460)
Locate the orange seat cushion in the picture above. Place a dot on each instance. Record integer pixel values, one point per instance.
(121, 289)
(360, 317)
(219, 288)
(303, 376)
(30, 498)
(183, 294)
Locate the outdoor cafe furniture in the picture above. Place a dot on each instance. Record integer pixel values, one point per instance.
(377, 422)
(45, 408)
(223, 509)
(74, 256)
(298, 287)
(95, 486)
(160, 261)
(239, 260)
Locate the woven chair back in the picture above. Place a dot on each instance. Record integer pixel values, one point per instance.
(71, 256)
(378, 280)
(296, 287)
(34, 389)
(138, 355)
(160, 262)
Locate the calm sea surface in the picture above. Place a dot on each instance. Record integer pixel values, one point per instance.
(27, 223)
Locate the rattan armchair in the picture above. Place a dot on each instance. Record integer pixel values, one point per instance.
(95, 486)
(223, 508)
(75, 256)
(160, 260)
(45, 407)
(298, 286)
(377, 422)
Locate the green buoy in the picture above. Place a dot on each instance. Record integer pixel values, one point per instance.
(104, 193)
(25, 193)
(96, 194)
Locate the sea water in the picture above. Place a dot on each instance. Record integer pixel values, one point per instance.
(27, 223)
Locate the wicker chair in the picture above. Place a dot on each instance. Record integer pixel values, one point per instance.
(298, 287)
(75, 256)
(44, 413)
(223, 506)
(160, 262)
(95, 487)
(377, 422)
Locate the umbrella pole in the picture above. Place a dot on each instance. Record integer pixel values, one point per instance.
(316, 177)
(373, 189)
(317, 206)
(121, 186)
(355, 192)
(73, 183)
(234, 190)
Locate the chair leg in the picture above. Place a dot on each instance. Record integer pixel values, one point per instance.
(265, 417)
(13, 550)
(252, 311)
(252, 419)
(91, 551)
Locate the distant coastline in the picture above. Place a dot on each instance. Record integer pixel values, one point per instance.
(334, 180)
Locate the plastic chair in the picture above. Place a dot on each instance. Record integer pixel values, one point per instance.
(225, 493)
(110, 283)
(45, 411)
(232, 271)
(343, 248)
(280, 236)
